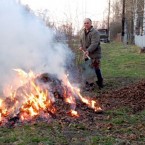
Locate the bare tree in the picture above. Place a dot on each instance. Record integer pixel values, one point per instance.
(115, 18)
(134, 10)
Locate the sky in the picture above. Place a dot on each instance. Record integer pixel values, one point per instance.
(74, 10)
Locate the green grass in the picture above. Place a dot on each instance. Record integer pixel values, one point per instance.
(106, 140)
(122, 61)
(121, 65)
(32, 134)
(123, 123)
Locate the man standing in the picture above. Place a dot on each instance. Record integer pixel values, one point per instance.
(90, 44)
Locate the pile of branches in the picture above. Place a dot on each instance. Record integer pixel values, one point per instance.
(62, 108)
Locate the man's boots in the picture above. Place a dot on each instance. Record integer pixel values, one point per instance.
(100, 78)
(100, 84)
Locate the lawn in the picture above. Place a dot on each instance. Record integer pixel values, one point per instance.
(123, 61)
(122, 64)
(119, 124)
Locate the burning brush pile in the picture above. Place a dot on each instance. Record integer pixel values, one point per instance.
(42, 97)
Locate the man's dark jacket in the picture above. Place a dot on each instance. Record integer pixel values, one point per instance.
(90, 41)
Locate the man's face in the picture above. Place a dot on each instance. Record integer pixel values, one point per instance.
(87, 24)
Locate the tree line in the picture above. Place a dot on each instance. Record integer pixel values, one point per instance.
(133, 25)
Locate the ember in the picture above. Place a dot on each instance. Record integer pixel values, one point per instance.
(37, 97)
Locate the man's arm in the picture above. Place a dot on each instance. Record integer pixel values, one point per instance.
(95, 41)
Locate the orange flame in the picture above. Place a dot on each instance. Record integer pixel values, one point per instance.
(37, 101)
(31, 98)
(74, 113)
(91, 103)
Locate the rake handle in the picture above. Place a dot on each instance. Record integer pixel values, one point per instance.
(86, 55)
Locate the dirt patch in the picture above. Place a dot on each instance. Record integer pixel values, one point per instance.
(132, 96)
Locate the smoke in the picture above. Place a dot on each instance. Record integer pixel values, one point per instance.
(26, 43)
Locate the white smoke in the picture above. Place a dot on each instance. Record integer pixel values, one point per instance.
(26, 43)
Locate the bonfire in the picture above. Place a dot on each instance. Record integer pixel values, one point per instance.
(38, 97)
